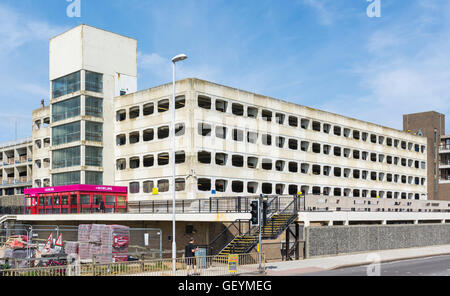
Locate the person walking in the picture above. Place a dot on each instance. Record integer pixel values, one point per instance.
(190, 250)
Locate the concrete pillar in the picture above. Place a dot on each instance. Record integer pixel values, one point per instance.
(330, 223)
(346, 223)
(416, 222)
(384, 222)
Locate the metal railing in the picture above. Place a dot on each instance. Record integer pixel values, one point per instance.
(204, 266)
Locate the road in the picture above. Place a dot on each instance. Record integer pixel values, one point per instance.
(430, 266)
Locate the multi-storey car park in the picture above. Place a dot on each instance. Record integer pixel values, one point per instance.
(228, 141)
(231, 146)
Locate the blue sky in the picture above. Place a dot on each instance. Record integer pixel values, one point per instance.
(326, 54)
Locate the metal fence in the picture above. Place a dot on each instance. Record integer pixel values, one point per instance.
(204, 266)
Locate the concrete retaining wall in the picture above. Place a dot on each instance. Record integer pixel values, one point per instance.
(334, 240)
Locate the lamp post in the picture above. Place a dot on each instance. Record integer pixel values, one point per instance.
(176, 59)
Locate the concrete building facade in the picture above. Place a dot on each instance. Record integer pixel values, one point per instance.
(432, 126)
(228, 141)
(232, 142)
(88, 67)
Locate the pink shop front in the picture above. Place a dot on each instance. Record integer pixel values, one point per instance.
(76, 199)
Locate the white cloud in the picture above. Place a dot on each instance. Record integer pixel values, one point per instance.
(407, 71)
(17, 29)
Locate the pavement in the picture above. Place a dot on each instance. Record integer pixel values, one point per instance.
(321, 264)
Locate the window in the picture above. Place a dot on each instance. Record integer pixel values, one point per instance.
(293, 144)
(237, 161)
(148, 186)
(337, 151)
(356, 154)
(347, 132)
(304, 145)
(204, 129)
(221, 106)
(279, 118)
(66, 85)
(221, 132)
(204, 157)
(180, 157)
(163, 185)
(304, 123)
(279, 188)
(69, 178)
(163, 159)
(293, 189)
(293, 121)
(163, 106)
(180, 184)
(304, 168)
(373, 138)
(94, 156)
(94, 131)
(221, 159)
(134, 162)
(148, 135)
(326, 170)
(326, 128)
(149, 161)
(94, 178)
(148, 109)
(65, 158)
(237, 186)
(266, 164)
(252, 162)
(266, 115)
(204, 184)
(180, 129)
(67, 133)
(316, 169)
(279, 165)
(221, 185)
(337, 130)
(316, 126)
(121, 115)
(356, 135)
(94, 82)
(279, 142)
(180, 102)
(134, 112)
(204, 102)
(337, 172)
(252, 187)
(94, 106)
(267, 188)
(237, 109)
(293, 167)
(134, 137)
(267, 140)
(252, 112)
(163, 132)
(316, 148)
(238, 135)
(121, 140)
(252, 137)
(66, 109)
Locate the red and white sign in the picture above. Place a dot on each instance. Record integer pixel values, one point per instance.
(59, 241)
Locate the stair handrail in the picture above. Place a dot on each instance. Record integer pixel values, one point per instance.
(209, 246)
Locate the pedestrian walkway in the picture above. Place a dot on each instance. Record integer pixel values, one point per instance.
(329, 263)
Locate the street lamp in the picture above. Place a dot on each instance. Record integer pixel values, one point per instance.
(176, 59)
